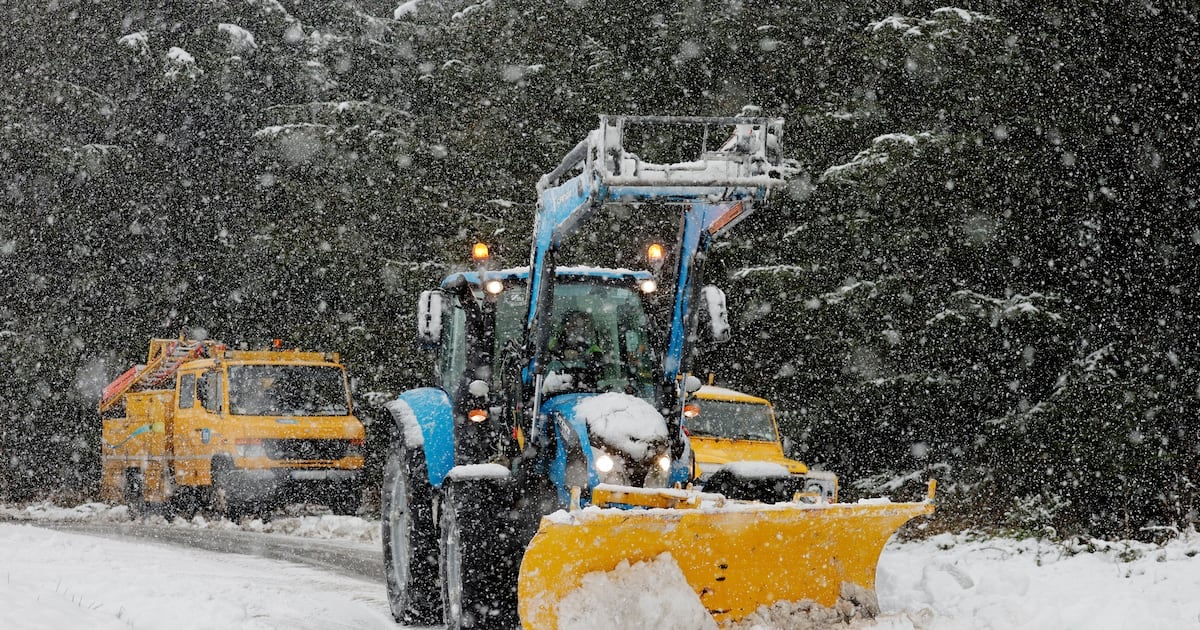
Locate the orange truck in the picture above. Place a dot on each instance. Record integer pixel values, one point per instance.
(237, 431)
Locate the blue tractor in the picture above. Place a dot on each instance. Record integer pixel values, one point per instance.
(559, 385)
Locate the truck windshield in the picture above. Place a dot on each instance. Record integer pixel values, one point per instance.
(287, 390)
(732, 420)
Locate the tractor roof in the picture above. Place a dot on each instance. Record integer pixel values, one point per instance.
(521, 274)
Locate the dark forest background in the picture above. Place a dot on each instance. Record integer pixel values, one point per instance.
(988, 273)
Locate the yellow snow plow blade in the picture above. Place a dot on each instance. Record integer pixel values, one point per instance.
(737, 556)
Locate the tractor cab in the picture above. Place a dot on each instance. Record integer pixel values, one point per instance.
(596, 341)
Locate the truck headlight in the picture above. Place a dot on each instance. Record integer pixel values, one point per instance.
(250, 447)
(604, 463)
(664, 462)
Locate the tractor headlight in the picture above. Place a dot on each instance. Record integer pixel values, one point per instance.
(664, 462)
(611, 468)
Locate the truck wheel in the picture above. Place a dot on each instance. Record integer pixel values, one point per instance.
(410, 539)
(223, 501)
(345, 498)
(479, 560)
(135, 492)
(185, 501)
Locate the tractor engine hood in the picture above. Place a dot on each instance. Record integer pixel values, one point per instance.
(613, 421)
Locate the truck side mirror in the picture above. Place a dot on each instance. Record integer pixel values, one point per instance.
(429, 317)
(712, 303)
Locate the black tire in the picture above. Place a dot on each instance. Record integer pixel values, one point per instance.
(185, 501)
(479, 557)
(135, 492)
(410, 539)
(223, 501)
(345, 498)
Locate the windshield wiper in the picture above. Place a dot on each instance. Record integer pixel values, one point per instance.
(750, 436)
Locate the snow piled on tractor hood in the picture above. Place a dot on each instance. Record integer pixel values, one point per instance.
(623, 422)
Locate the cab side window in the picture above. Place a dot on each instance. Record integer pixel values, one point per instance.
(209, 391)
(187, 391)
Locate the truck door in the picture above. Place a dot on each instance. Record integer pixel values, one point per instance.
(198, 426)
(188, 420)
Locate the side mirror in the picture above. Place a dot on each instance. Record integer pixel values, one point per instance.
(691, 384)
(787, 446)
(712, 302)
(429, 317)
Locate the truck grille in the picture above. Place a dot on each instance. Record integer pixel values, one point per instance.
(305, 449)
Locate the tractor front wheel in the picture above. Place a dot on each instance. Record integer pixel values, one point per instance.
(479, 557)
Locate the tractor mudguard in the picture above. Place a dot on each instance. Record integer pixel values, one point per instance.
(425, 417)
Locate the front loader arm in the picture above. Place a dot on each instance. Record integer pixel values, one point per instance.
(717, 190)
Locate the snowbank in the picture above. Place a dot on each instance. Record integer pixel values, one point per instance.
(320, 526)
(954, 581)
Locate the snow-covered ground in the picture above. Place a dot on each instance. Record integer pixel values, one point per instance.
(50, 579)
(951, 582)
(296, 521)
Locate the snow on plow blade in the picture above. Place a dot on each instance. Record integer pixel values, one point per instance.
(736, 557)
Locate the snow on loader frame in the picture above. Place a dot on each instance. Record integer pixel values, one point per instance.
(551, 446)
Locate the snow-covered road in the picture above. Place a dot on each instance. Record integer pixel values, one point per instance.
(52, 579)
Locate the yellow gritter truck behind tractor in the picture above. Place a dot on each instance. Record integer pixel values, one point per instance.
(738, 451)
(236, 431)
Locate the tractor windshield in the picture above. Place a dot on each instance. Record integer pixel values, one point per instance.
(598, 341)
(732, 420)
(287, 390)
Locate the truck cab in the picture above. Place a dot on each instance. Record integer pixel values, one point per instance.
(730, 426)
(739, 452)
(260, 427)
(237, 430)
